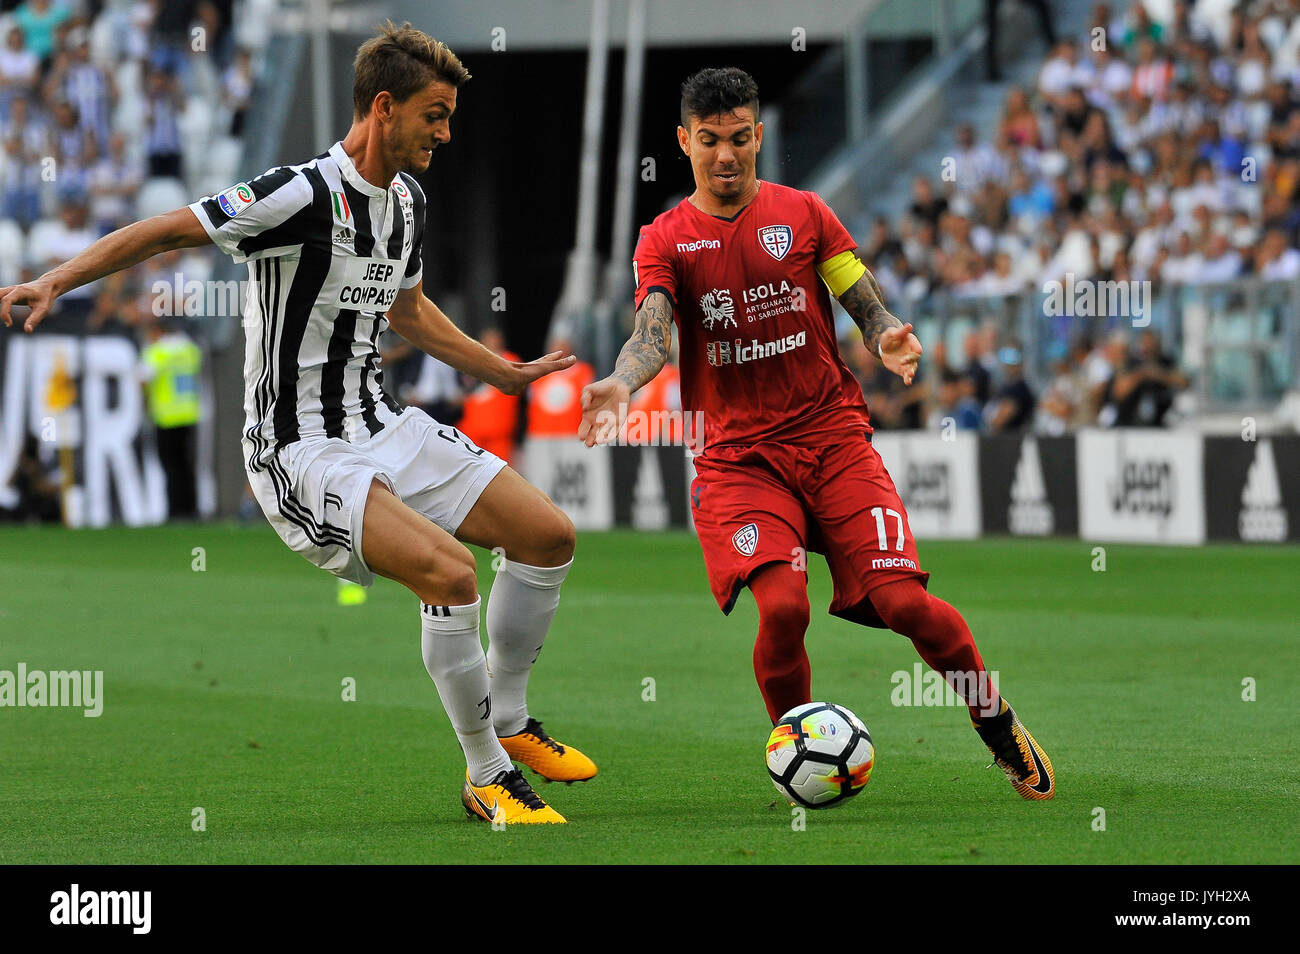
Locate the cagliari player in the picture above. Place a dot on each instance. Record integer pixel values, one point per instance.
(743, 267)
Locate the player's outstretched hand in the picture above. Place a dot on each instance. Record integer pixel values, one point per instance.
(604, 409)
(901, 350)
(526, 372)
(29, 303)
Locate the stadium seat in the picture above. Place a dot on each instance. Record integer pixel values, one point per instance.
(159, 195)
(13, 251)
(38, 238)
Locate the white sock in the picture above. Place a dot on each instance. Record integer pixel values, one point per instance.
(520, 609)
(453, 655)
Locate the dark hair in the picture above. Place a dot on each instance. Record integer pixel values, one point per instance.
(716, 92)
(402, 61)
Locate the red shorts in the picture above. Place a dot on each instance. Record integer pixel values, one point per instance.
(770, 503)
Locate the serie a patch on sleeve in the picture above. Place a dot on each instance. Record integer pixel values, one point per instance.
(236, 199)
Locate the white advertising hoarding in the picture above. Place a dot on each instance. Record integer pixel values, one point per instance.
(1141, 485)
(575, 476)
(938, 480)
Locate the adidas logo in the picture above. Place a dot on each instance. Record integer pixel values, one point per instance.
(1262, 516)
(1030, 513)
(342, 236)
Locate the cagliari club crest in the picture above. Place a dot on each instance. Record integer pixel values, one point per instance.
(745, 540)
(776, 239)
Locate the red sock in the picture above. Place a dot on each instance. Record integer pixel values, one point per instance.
(940, 636)
(780, 662)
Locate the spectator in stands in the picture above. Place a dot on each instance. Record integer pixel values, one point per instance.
(1019, 122)
(1139, 28)
(975, 163)
(1001, 280)
(162, 124)
(39, 20)
(1275, 261)
(1059, 405)
(237, 89)
(1074, 115)
(880, 244)
(73, 149)
(926, 206)
(1112, 78)
(1221, 262)
(29, 127)
(1154, 74)
(71, 235)
(113, 182)
(20, 194)
(974, 348)
(956, 401)
(1013, 408)
(1059, 74)
(88, 88)
(1182, 265)
(1029, 201)
(1100, 368)
(894, 406)
(19, 69)
(1144, 391)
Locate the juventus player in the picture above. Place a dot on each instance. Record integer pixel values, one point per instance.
(743, 268)
(348, 478)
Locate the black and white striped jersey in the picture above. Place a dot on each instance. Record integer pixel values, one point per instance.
(326, 252)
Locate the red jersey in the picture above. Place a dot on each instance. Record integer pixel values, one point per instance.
(759, 355)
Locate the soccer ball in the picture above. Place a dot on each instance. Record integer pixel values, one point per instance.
(819, 754)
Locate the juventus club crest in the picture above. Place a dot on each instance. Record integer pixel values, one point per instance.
(745, 540)
(776, 239)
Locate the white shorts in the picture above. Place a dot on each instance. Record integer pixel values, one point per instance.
(314, 491)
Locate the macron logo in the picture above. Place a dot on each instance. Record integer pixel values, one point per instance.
(698, 244)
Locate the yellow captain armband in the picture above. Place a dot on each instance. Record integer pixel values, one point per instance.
(839, 273)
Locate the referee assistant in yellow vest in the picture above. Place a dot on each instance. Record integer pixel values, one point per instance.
(170, 367)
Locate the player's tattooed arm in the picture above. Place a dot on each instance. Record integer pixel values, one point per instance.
(866, 306)
(885, 336)
(646, 351)
(605, 402)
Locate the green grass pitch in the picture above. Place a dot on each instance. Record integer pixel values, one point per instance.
(223, 690)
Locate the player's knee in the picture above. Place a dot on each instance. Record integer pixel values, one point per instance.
(461, 585)
(563, 539)
(782, 609)
(551, 543)
(904, 607)
(446, 576)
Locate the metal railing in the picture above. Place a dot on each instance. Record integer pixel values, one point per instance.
(1238, 341)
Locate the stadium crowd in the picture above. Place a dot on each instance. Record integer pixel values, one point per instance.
(111, 111)
(1166, 152)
